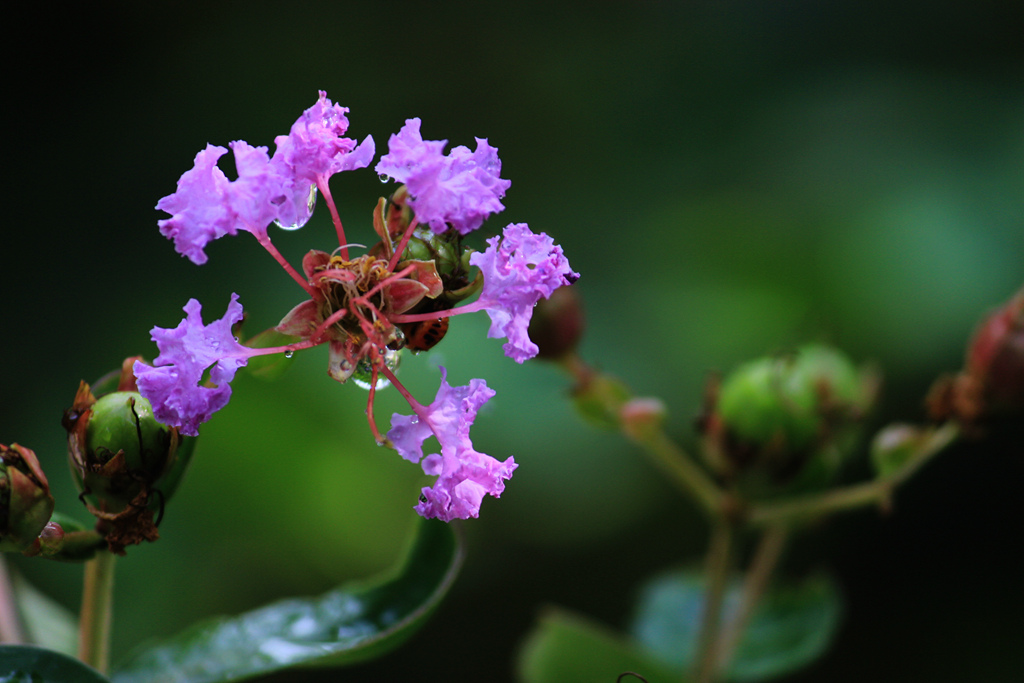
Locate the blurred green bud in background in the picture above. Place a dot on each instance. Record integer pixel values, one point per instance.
(785, 423)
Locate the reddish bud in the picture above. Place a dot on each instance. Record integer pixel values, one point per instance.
(557, 323)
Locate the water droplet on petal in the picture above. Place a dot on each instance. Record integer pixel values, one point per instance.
(289, 353)
(304, 218)
(383, 177)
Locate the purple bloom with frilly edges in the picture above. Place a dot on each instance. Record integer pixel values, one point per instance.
(461, 189)
(171, 384)
(314, 149)
(519, 269)
(464, 476)
(198, 211)
(207, 206)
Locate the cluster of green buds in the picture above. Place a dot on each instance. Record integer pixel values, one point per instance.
(125, 464)
(785, 424)
(25, 501)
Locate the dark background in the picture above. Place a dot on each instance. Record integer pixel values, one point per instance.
(730, 178)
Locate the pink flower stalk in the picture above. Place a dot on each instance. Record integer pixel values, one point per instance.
(459, 190)
(464, 476)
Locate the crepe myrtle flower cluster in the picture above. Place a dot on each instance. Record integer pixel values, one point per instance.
(397, 295)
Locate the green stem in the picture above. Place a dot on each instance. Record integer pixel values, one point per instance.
(858, 495)
(11, 631)
(683, 471)
(758, 576)
(97, 600)
(718, 564)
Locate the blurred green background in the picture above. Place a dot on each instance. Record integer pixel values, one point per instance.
(730, 179)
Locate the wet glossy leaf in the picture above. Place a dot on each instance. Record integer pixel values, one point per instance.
(566, 648)
(30, 664)
(347, 625)
(792, 626)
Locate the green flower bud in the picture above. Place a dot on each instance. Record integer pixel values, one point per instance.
(25, 500)
(785, 423)
(124, 462)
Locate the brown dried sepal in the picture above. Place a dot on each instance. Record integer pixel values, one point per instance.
(131, 526)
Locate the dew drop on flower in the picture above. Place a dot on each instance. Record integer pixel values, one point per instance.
(310, 204)
(289, 354)
(364, 370)
(383, 177)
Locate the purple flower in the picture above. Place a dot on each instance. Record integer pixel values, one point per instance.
(461, 189)
(519, 269)
(257, 195)
(171, 385)
(464, 476)
(207, 206)
(315, 149)
(198, 211)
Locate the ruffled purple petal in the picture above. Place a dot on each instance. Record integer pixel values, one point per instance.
(460, 190)
(464, 476)
(315, 149)
(198, 211)
(519, 269)
(259, 191)
(171, 384)
(207, 206)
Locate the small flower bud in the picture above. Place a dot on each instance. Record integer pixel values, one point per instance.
(641, 417)
(125, 463)
(995, 358)
(784, 423)
(557, 323)
(992, 383)
(600, 399)
(894, 446)
(25, 500)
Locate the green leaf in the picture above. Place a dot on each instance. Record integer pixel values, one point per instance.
(792, 626)
(347, 625)
(46, 622)
(565, 648)
(30, 664)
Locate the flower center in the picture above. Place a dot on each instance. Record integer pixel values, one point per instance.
(345, 285)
